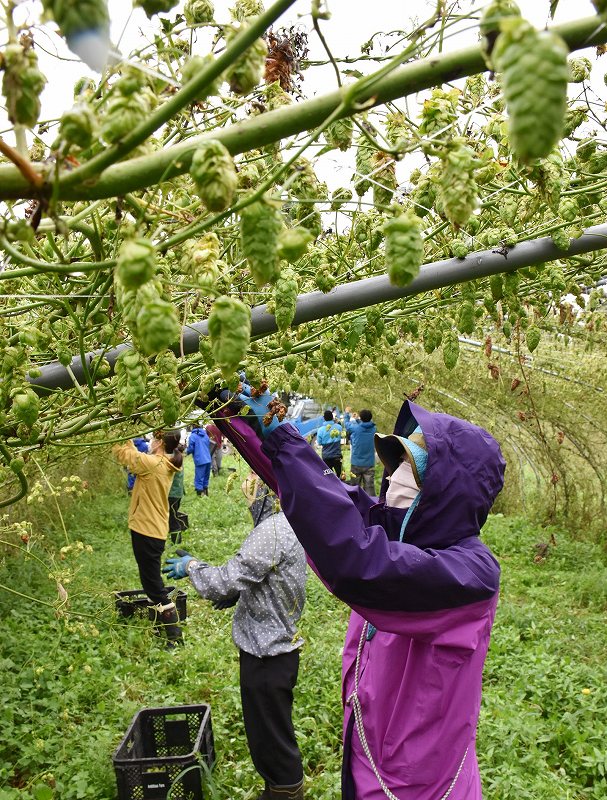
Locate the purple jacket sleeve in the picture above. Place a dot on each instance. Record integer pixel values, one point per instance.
(359, 563)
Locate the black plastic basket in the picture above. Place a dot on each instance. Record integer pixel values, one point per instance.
(165, 749)
(135, 600)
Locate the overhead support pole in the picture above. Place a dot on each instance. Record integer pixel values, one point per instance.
(264, 129)
(360, 294)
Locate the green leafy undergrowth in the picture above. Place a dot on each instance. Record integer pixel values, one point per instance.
(73, 674)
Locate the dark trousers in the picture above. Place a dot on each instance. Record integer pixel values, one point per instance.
(266, 691)
(148, 554)
(335, 464)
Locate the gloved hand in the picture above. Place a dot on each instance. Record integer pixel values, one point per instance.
(176, 567)
(226, 602)
(261, 406)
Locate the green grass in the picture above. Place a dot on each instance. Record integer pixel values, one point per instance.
(72, 681)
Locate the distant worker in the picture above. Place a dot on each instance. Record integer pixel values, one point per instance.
(199, 448)
(216, 441)
(362, 458)
(329, 437)
(265, 580)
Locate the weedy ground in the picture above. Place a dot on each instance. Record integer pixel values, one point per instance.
(72, 677)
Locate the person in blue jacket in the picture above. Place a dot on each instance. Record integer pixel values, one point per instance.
(329, 438)
(362, 458)
(199, 447)
(141, 443)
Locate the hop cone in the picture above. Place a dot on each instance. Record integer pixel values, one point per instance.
(123, 115)
(534, 79)
(339, 134)
(404, 248)
(85, 24)
(214, 174)
(152, 7)
(130, 380)
(170, 405)
(246, 8)
(246, 72)
(22, 83)
(157, 326)
(457, 187)
(136, 263)
(450, 349)
(78, 125)
(364, 165)
(384, 176)
(229, 332)
(285, 298)
(260, 225)
(293, 243)
(198, 12)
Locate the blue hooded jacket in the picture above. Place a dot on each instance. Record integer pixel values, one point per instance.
(363, 446)
(331, 445)
(199, 447)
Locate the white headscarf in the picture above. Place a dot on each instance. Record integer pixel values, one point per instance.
(403, 488)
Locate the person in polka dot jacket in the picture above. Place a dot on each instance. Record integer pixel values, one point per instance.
(265, 580)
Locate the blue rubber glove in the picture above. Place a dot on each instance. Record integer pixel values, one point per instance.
(259, 406)
(176, 567)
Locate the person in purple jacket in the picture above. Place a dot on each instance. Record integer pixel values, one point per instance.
(422, 586)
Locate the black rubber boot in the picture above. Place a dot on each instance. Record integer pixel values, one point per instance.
(166, 620)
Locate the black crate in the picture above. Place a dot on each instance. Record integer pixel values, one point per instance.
(134, 600)
(165, 748)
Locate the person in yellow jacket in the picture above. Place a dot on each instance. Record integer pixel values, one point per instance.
(149, 518)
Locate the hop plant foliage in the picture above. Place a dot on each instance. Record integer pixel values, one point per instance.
(458, 191)
(404, 247)
(260, 226)
(22, 84)
(534, 75)
(229, 332)
(214, 174)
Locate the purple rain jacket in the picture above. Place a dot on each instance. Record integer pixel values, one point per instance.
(431, 597)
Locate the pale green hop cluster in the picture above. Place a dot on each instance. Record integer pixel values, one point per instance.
(214, 174)
(260, 226)
(229, 332)
(404, 248)
(534, 76)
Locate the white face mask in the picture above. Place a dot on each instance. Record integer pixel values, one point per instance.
(403, 488)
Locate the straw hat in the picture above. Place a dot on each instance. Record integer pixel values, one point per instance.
(392, 448)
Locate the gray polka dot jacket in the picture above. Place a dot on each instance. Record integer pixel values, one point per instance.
(269, 574)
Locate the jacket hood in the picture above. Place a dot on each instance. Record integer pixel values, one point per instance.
(464, 475)
(367, 425)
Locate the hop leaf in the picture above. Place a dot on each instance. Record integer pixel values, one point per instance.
(534, 79)
(214, 174)
(260, 225)
(404, 248)
(229, 332)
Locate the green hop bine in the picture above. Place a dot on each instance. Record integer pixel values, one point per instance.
(199, 12)
(22, 84)
(229, 332)
(260, 225)
(285, 298)
(214, 174)
(404, 248)
(534, 75)
(136, 263)
(457, 189)
(157, 326)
